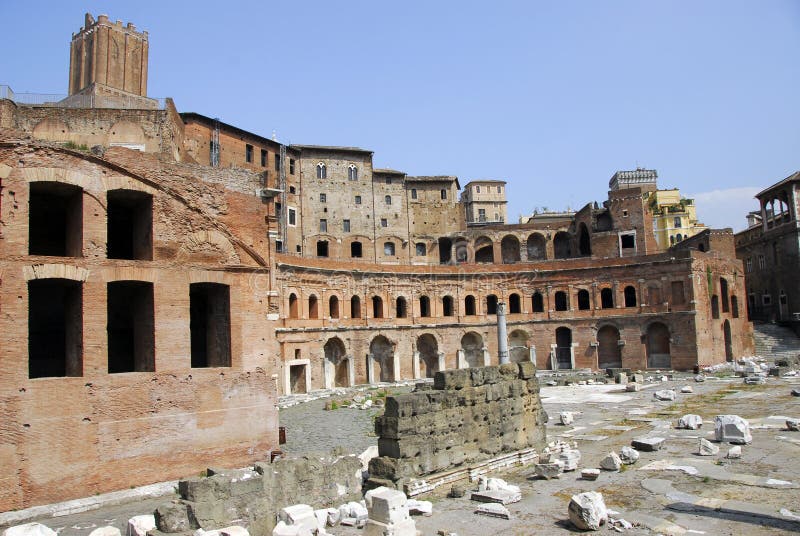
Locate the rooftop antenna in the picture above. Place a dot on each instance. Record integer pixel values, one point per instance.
(274, 135)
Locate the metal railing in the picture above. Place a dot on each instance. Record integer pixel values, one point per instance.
(54, 100)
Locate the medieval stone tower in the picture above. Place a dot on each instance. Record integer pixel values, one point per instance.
(108, 58)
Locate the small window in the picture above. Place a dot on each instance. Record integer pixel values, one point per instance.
(352, 172)
(748, 265)
(491, 304)
(248, 153)
(292, 190)
(761, 262)
(322, 248)
(263, 158)
(55, 328)
(384, 222)
(469, 306)
(562, 303)
(677, 222)
(210, 325)
(356, 251)
(277, 163)
(537, 302)
(401, 307)
(323, 198)
(447, 306)
(388, 199)
(583, 300)
(624, 213)
(499, 189)
(607, 298)
(322, 171)
(292, 217)
(628, 241)
(323, 225)
(630, 296)
(421, 249)
(477, 189)
(443, 193)
(388, 249)
(279, 246)
(358, 200)
(298, 248)
(413, 193)
(388, 180)
(424, 306)
(346, 226)
(766, 299)
(278, 210)
(291, 166)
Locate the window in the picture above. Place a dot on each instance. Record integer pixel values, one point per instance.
(298, 248)
(514, 304)
(401, 307)
(352, 172)
(421, 249)
(766, 299)
(677, 222)
(388, 199)
(355, 250)
(377, 307)
(313, 307)
(346, 226)
(210, 325)
(355, 307)
(679, 237)
(130, 326)
(630, 296)
(562, 304)
(624, 213)
(469, 305)
(323, 225)
(292, 217)
(499, 189)
(293, 306)
(537, 302)
(384, 222)
(748, 265)
(388, 249)
(424, 306)
(291, 166)
(248, 153)
(129, 225)
(388, 180)
(607, 298)
(447, 306)
(323, 198)
(358, 200)
(671, 240)
(322, 171)
(55, 219)
(278, 210)
(322, 248)
(628, 241)
(481, 214)
(677, 293)
(292, 190)
(723, 287)
(333, 307)
(279, 246)
(413, 193)
(477, 189)
(55, 328)
(761, 262)
(491, 304)
(443, 193)
(277, 163)
(583, 300)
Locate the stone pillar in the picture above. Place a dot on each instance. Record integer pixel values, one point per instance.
(553, 359)
(487, 359)
(351, 371)
(370, 371)
(502, 333)
(328, 371)
(440, 361)
(395, 367)
(461, 360)
(532, 354)
(572, 354)
(415, 365)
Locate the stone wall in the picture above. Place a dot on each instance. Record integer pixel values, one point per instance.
(254, 497)
(467, 416)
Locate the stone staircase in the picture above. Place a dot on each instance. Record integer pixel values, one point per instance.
(773, 341)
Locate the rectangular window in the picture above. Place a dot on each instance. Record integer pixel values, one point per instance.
(55, 328)
(388, 199)
(499, 189)
(279, 246)
(291, 166)
(481, 214)
(477, 189)
(263, 158)
(346, 226)
(384, 222)
(277, 162)
(627, 241)
(677, 293)
(413, 193)
(748, 265)
(248, 153)
(443, 193)
(278, 210)
(131, 327)
(358, 200)
(389, 180)
(55, 219)
(129, 225)
(323, 225)
(210, 325)
(761, 262)
(677, 222)
(323, 198)
(292, 217)
(292, 190)
(421, 249)
(766, 299)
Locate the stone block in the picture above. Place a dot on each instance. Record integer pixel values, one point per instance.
(452, 379)
(587, 511)
(664, 395)
(648, 443)
(106, 531)
(628, 455)
(499, 496)
(637, 378)
(387, 505)
(570, 458)
(420, 508)
(633, 387)
(139, 525)
(527, 370)
(793, 425)
(590, 474)
(457, 491)
(611, 462)
(754, 380)
(549, 470)
(690, 422)
(707, 448)
(494, 510)
(732, 429)
(173, 517)
(404, 528)
(566, 417)
(621, 378)
(299, 515)
(734, 453)
(29, 529)
(686, 389)
(234, 530)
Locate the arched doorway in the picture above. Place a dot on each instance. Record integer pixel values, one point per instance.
(562, 247)
(584, 242)
(381, 353)
(509, 248)
(428, 350)
(518, 349)
(337, 362)
(564, 348)
(609, 353)
(537, 248)
(484, 250)
(657, 338)
(472, 346)
(726, 332)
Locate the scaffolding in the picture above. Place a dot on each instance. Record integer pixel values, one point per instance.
(284, 209)
(215, 143)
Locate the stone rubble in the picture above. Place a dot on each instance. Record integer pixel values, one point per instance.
(570, 458)
(420, 508)
(664, 394)
(139, 525)
(686, 389)
(388, 513)
(494, 510)
(549, 470)
(587, 511)
(590, 474)
(106, 531)
(648, 444)
(690, 422)
(633, 387)
(566, 418)
(628, 455)
(29, 529)
(734, 453)
(732, 429)
(296, 520)
(707, 448)
(795, 392)
(793, 425)
(611, 462)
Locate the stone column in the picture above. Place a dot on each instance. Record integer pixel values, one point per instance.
(532, 354)
(502, 334)
(351, 371)
(328, 370)
(572, 354)
(487, 359)
(553, 358)
(461, 360)
(370, 372)
(440, 361)
(395, 367)
(415, 365)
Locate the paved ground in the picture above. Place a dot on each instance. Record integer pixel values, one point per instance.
(672, 491)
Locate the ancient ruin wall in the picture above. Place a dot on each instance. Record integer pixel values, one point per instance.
(468, 415)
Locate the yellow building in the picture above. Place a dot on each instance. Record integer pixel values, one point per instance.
(674, 217)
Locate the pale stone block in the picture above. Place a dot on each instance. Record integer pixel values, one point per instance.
(707, 448)
(387, 506)
(587, 511)
(29, 529)
(628, 455)
(611, 462)
(690, 422)
(139, 525)
(106, 531)
(732, 429)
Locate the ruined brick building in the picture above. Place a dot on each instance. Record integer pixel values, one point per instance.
(160, 290)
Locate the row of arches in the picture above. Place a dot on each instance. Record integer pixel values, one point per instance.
(383, 363)
(539, 303)
(511, 249)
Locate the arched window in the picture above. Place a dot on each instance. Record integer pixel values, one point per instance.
(679, 237)
(723, 287)
(352, 172)
(355, 307)
(322, 171)
(562, 303)
(401, 308)
(537, 302)
(491, 304)
(293, 305)
(714, 306)
(630, 296)
(377, 307)
(387, 199)
(388, 249)
(420, 249)
(469, 305)
(313, 307)
(424, 306)
(447, 306)
(333, 307)
(356, 251)
(735, 307)
(607, 298)
(514, 306)
(583, 300)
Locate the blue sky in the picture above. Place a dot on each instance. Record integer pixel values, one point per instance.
(551, 96)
